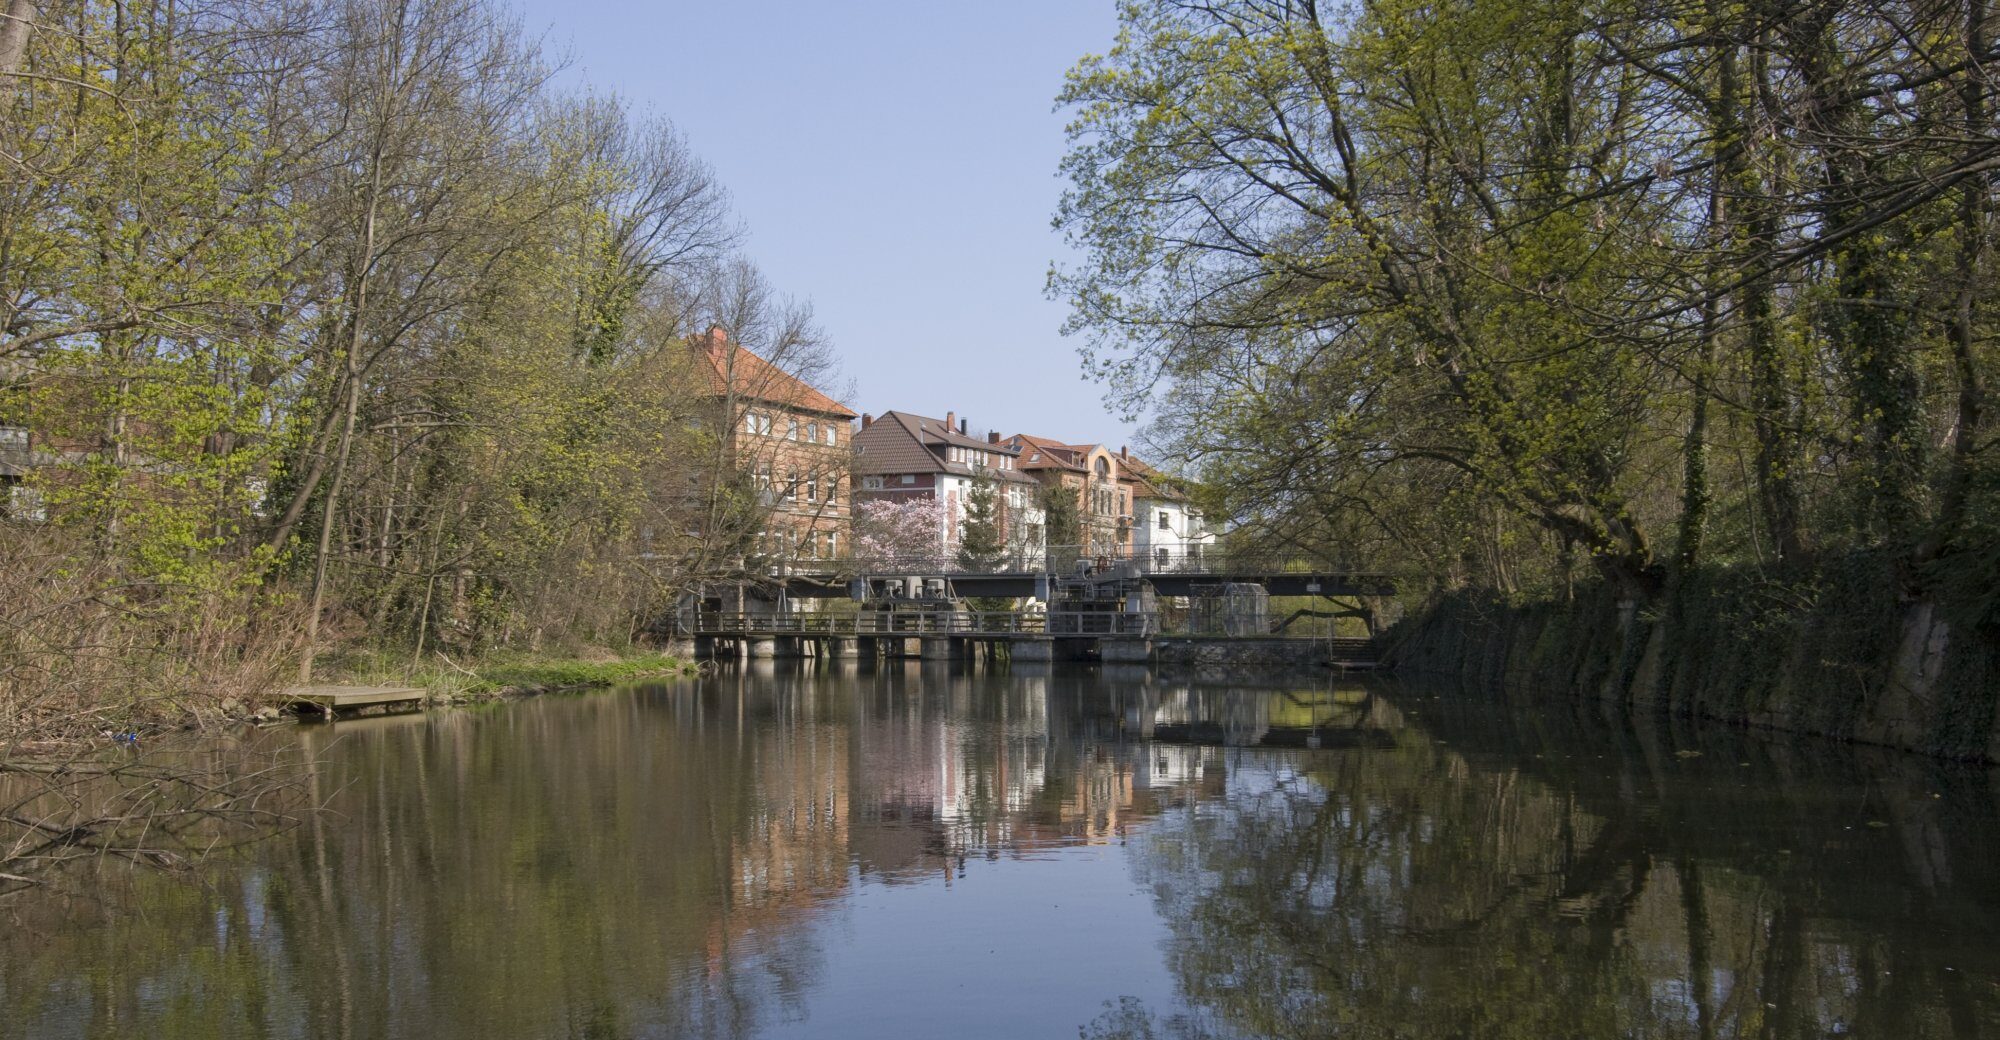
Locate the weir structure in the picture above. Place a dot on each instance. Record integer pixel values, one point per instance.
(1114, 609)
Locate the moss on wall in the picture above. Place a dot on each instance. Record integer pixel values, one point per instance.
(1837, 649)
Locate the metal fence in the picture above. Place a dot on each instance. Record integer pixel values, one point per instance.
(979, 623)
(875, 623)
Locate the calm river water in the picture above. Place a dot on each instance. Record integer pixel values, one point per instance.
(924, 851)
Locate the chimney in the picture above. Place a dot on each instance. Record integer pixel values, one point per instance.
(950, 420)
(992, 436)
(867, 420)
(1123, 453)
(718, 335)
(961, 427)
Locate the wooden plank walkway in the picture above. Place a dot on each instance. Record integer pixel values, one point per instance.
(331, 699)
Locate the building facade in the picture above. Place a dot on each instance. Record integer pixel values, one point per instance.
(789, 441)
(903, 456)
(1126, 508)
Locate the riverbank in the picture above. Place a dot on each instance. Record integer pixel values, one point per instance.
(1835, 650)
(505, 674)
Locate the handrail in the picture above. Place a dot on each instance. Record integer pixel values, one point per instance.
(974, 623)
(875, 623)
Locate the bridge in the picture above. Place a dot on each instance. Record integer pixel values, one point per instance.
(1023, 575)
(1133, 608)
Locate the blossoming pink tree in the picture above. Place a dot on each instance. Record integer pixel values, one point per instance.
(888, 531)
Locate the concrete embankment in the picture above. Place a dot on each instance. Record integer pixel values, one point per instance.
(1838, 651)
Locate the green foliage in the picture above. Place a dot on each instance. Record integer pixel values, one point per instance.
(1063, 520)
(981, 545)
(346, 305)
(1495, 289)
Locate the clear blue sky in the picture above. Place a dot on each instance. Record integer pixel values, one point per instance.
(894, 162)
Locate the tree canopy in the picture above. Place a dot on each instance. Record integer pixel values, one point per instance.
(1488, 288)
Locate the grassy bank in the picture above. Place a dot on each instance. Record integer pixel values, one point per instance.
(502, 673)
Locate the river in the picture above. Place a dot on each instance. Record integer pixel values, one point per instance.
(932, 850)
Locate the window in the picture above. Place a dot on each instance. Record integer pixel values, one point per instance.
(832, 544)
(812, 489)
(749, 423)
(871, 483)
(832, 490)
(812, 433)
(831, 437)
(1103, 467)
(1166, 524)
(792, 486)
(1162, 556)
(791, 429)
(909, 478)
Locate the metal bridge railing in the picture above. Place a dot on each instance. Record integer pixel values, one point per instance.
(876, 623)
(979, 623)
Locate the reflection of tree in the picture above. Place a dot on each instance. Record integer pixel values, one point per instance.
(1429, 892)
(652, 865)
(587, 868)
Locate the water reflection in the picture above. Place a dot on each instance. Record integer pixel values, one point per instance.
(928, 850)
(1537, 872)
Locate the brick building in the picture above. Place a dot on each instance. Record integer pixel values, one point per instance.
(789, 440)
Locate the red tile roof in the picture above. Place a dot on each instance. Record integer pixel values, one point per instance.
(728, 366)
(1046, 453)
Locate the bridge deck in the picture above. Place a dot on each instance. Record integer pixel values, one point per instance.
(969, 624)
(1179, 582)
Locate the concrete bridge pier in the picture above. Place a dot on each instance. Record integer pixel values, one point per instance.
(1125, 651)
(842, 647)
(941, 648)
(765, 648)
(704, 648)
(1032, 648)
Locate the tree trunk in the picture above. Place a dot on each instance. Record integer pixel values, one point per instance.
(15, 33)
(1972, 216)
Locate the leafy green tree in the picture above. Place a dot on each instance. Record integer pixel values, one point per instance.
(1062, 519)
(982, 545)
(1499, 287)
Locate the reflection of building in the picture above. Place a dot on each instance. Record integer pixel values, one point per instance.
(942, 777)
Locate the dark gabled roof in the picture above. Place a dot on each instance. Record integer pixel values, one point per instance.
(728, 366)
(903, 442)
